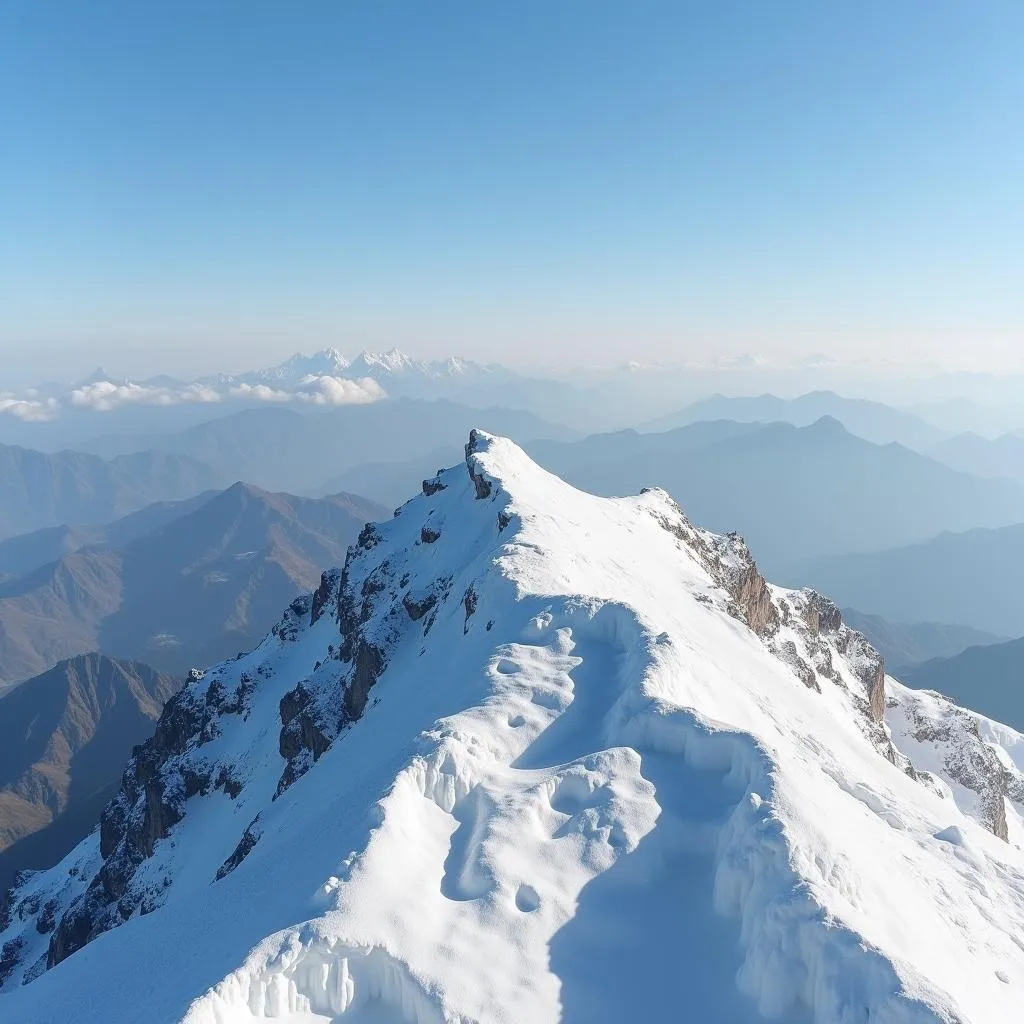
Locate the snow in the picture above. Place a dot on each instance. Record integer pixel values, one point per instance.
(583, 790)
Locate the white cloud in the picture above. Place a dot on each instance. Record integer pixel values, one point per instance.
(340, 391)
(317, 391)
(105, 395)
(261, 393)
(30, 410)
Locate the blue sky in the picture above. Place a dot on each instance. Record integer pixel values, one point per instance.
(212, 185)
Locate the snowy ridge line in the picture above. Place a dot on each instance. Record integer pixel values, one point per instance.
(526, 741)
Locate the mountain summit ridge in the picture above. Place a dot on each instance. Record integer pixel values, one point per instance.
(525, 740)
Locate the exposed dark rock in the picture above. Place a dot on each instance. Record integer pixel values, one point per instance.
(160, 816)
(112, 822)
(821, 615)
(870, 670)
(33, 972)
(245, 845)
(753, 599)
(431, 487)
(368, 665)
(368, 537)
(324, 594)
(428, 536)
(417, 609)
(481, 484)
(469, 602)
(227, 782)
(10, 954)
(788, 653)
(504, 518)
(71, 934)
(47, 919)
(303, 740)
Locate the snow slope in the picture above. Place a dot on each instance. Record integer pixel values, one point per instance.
(535, 756)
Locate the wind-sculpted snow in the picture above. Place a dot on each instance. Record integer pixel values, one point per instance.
(533, 755)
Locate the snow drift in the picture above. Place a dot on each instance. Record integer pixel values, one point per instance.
(534, 755)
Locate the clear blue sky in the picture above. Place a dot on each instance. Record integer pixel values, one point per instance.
(217, 183)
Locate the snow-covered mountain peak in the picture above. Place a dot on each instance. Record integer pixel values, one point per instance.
(535, 755)
(392, 361)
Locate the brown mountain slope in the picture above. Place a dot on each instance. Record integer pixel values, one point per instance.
(194, 591)
(64, 738)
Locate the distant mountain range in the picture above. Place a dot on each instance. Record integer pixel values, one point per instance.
(201, 587)
(906, 645)
(39, 490)
(27, 551)
(872, 421)
(988, 679)
(971, 577)
(796, 493)
(64, 738)
(1000, 456)
(326, 378)
(281, 449)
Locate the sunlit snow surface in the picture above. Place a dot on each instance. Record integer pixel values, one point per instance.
(599, 797)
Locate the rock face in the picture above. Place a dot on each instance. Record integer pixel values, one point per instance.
(242, 736)
(802, 628)
(933, 730)
(481, 484)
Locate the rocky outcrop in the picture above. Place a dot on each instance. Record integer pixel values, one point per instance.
(753, 599)
(10, 955)
(729, 563)
(245, 846)
(469, 603)
(326, 595)
(303, 739)
(954, 735)
(821, 615)
(416, 608)
(162, 775)
(818, 640)
(481, 485)
(367, 667)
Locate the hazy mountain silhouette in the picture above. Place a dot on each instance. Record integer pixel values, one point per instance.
(872, 421)
(904, 645)
(191, 592)
(796, 493)
(1002, 456)
(39, 490)
(27, 551)
(393, 482)
(282, 449)
(972, 578)
(988, 679)
(64, 738)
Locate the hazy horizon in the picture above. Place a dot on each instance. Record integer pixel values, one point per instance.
(197, 188)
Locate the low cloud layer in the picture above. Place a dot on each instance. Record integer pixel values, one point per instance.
(29, 410)
(105, 395)
(317, 391)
